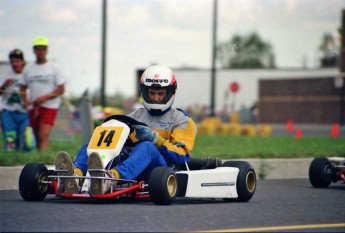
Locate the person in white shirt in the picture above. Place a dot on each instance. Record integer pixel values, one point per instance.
(14, 118)
(46, 84)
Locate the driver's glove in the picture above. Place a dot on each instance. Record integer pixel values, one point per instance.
(144, 133)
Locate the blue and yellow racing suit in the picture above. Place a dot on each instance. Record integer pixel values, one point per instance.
(177, 135)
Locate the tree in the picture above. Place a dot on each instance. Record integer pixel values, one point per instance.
(248, 51)
(329, 50)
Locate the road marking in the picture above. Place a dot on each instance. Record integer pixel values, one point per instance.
(280, 228)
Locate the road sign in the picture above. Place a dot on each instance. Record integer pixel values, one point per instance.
(234, 87)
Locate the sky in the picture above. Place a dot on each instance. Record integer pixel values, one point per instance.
(174, 33)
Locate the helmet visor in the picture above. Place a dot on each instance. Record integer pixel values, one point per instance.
(157, 95)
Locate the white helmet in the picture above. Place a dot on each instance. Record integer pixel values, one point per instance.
(160, 77)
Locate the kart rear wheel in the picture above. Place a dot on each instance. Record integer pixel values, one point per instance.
(320, 172)
(163, 185)
(31, 186)
(246, 180)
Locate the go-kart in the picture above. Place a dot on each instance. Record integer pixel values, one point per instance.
(197, 178)
(323, 171)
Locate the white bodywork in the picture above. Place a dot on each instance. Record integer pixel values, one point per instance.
(336, 159)
(212, 183)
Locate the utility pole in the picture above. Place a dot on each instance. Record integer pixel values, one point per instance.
(103, 59)
(342, 68)
(214, 56)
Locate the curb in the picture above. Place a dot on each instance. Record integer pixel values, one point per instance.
(264, 168)
(281, 168)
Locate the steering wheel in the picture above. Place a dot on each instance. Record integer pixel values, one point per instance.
(128, 121)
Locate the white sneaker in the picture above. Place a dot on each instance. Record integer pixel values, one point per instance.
(64, 167)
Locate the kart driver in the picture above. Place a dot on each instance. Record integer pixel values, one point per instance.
(168, 139)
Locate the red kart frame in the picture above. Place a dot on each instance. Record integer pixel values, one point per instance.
(135, 189)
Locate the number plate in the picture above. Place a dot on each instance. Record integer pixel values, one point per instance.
(105, 137)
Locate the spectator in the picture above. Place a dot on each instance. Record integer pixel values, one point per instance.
(46, 83)
(17, 133)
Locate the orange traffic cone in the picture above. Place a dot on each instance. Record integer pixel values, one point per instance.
(298, 133)
(289, 126)
(335, 130)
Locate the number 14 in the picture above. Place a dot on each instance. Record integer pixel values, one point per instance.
(108, 139)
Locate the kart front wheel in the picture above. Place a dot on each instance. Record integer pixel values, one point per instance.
(32, 182)
(320, 172)
(246, 180)
(162, 185)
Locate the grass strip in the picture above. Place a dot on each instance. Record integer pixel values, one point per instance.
(221, 147)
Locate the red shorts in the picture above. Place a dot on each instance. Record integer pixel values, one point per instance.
(41, 115)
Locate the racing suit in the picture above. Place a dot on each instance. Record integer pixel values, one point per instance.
(179, 132)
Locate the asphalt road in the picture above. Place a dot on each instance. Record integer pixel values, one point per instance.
(281, 205)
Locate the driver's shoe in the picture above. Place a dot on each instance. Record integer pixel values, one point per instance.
(96, 169)
(64, 167)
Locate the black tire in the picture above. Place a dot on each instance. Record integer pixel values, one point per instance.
(163, 185)
(31, 187)
(246, 180)
(320, 172)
